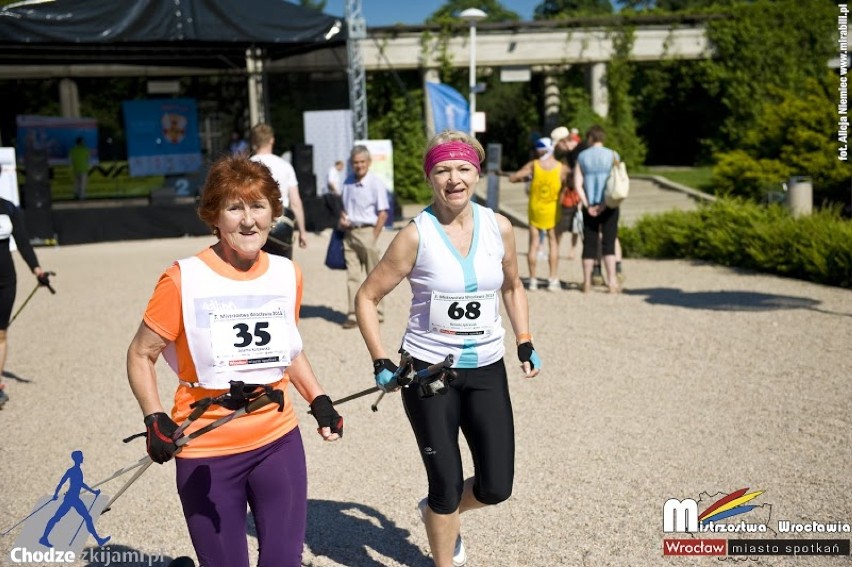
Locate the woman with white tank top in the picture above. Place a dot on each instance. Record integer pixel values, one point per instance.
(460, 260)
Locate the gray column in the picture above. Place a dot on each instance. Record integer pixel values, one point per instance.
(598, 89)
(69, 99)
(429, 76)
(254, 68)
(551, 102)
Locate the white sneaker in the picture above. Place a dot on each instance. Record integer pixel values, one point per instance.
(554, 285)
(459, 553)
(533, 285)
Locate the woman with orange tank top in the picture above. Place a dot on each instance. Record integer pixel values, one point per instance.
(225, 320)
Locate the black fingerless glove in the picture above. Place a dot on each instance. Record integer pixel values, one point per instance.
(526, 353)
(44, 279)
(159, 430)
(325, 414)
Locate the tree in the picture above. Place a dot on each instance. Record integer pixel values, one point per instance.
(560, 9)
(794, 134)
(779, 98)
(766, 44)
(449, 12)
(619, 75)
(512, 111)
(403, 125)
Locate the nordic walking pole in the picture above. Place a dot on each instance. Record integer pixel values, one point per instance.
(375, 406)
(401, 376)
(32, 293)
(351, 397)
(146, 460)
(121, 471)
(127, 484)
(254, 405)
(401, 369)
(33, 513)
(24, 304)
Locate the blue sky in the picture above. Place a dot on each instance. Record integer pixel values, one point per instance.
(389, 12)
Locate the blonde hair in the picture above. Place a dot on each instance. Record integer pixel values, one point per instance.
(261, 134)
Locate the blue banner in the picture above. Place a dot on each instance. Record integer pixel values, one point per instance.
(162, 136)
(56, 136)
(450, 110)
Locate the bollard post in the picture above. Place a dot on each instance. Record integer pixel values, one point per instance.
(494, 155)
(800, 196)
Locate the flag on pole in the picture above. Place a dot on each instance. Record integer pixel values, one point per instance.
(450, 110)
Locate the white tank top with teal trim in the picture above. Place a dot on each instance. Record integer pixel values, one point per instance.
(238, 330)
(455, 308)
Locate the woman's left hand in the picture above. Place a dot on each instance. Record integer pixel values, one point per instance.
(329, 421)
(530, 361)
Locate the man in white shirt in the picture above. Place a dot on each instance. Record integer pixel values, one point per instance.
(333, 189)
(262, 141)
(365, 209)
(332, 181)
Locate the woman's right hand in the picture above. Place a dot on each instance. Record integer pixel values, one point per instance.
(159, 433)
(385, 374)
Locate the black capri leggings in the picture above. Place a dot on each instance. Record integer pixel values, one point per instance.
(478, 404)
(8, 289)
(607, 224)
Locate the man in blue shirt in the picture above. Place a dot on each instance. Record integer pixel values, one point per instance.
(365, 209)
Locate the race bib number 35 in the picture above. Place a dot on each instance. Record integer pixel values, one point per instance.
(249, 338)
(462, 313)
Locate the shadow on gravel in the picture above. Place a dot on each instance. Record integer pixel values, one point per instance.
(345, 532)
(728, 300)
(121, 555)
(322, 312)
(13, 376)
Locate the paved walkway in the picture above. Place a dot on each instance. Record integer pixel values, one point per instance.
(647, 196)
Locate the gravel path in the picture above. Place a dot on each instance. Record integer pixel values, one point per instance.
(697, 379)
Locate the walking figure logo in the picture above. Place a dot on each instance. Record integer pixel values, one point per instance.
(57, 522)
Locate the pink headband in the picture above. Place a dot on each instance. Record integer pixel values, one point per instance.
(447, 151)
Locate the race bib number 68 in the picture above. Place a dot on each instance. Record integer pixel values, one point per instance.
(462, 313)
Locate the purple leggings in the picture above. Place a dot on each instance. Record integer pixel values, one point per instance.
(272, 480)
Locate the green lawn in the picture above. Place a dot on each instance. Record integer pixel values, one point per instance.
(695, 177)
(110, 181)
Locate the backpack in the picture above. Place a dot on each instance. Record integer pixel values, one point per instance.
(617, 184)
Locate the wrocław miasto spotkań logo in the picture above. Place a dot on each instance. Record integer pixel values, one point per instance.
(739, 525)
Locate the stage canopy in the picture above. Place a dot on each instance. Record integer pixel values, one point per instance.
(185, 33)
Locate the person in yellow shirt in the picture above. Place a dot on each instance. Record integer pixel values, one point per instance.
(547, 176)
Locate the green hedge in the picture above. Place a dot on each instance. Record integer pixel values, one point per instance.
(738, 233)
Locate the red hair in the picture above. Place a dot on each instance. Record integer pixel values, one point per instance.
(237, 178)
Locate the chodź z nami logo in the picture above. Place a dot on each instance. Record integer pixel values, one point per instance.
(681, 516)
(59, 525)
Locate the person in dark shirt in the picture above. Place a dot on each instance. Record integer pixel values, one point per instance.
(12, 224)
